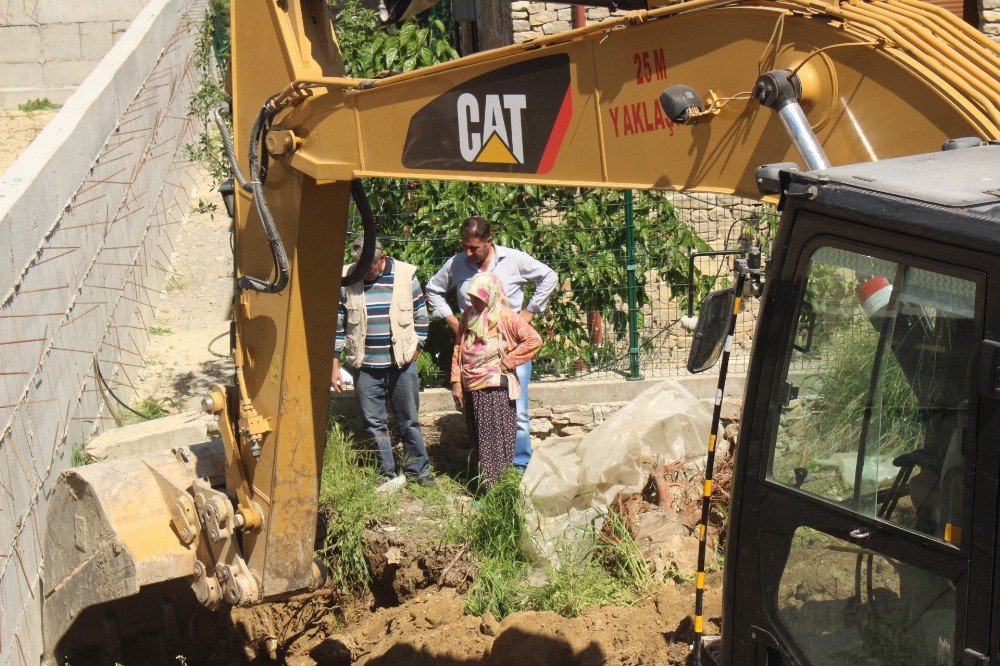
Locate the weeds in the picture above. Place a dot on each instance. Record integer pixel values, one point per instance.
(614, 573)
(620, 554)
(611, 575)
(80, 458)
(349, 502)
(148, 410)
(42, 104)
(159, 330)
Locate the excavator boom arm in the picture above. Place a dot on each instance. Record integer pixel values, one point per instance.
(879, 79)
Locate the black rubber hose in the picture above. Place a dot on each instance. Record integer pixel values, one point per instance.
(258, 170)
(367, 257)
(97, 367)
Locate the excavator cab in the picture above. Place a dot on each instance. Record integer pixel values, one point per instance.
(864, 511)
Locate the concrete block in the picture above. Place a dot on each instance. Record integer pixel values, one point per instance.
(520, 6)
(564, 14)
(96, 39)
(22, 75)
(19, 12)
(60, 42)
(68, 72)
(540, 18)
(149, 436)
(118, 27)
(521, 26)
(20, 44)
(59, 11)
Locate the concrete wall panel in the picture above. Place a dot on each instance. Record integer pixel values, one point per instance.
(86, 219)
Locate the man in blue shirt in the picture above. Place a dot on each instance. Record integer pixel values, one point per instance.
(515, 269)
(381, 325)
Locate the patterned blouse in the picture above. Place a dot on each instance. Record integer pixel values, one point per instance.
(520, 344)
(481, 362)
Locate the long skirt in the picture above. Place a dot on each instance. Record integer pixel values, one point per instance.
(492, 420)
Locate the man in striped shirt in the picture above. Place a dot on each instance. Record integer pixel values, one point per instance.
(381, 326)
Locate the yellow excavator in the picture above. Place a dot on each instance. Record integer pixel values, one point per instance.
(839, 110)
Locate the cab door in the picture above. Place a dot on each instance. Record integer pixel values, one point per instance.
(867, 549)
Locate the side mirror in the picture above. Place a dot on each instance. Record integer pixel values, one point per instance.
(713, 327)
(807, 325)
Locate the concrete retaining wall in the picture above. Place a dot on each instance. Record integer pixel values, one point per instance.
(48, 47)
(558, 409)
(86, 219)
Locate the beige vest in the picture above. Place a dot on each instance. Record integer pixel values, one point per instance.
(404, 335)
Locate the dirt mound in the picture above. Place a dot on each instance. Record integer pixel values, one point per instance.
(432, 628)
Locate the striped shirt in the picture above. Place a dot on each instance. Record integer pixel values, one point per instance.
(378, 335)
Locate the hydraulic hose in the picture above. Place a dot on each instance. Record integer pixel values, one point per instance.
(371, 234)
(259, 160)
(227, 142)
(258, 173)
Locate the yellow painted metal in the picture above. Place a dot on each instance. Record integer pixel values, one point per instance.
(109, 531)
(285, 343)
(881, 79)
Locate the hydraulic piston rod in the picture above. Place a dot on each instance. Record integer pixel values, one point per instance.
(781, 90)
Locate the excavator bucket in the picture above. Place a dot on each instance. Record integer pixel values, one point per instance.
(117, 527)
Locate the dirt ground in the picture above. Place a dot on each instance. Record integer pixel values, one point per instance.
(17, 130)
(415, 615)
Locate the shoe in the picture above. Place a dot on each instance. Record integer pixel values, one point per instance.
(391, 485)
(426, 481)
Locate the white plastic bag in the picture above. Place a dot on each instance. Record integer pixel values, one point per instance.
(570, 483)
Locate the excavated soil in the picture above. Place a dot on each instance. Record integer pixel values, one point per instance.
(415, 615)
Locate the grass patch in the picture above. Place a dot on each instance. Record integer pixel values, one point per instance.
(349, 503)
(613, 574)
(159, 330)
(42, 104)
(79, 457)
(148, 410)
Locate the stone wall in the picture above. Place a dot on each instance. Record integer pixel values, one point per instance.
(47, 47)
(989, 18)
(558, 409)
(538, 19)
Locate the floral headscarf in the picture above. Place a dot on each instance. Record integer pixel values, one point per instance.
(488, 288)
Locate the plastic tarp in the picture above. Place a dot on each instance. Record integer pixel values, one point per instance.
(570, 483)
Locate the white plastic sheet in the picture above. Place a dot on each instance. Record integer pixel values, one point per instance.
(570, 483)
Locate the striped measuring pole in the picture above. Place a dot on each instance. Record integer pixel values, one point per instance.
(706, 500)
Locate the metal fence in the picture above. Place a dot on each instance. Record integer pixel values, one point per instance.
(623, 262)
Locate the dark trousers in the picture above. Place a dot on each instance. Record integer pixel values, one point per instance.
(491, 417)
(398, 389)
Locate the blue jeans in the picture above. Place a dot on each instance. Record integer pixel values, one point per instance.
(522, 445)
(398, 389)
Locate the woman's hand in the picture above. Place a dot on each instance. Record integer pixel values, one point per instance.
(459, 395)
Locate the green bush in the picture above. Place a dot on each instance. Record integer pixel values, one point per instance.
(42, 104)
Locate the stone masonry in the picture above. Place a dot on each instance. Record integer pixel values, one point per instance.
(47, 47)
(538, 19)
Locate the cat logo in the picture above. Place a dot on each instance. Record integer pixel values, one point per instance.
(512, 119)
(499, 139)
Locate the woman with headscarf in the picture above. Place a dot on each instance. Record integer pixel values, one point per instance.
(492, 340)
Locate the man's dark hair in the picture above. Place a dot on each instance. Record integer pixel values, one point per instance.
(475, 227)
